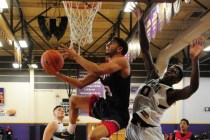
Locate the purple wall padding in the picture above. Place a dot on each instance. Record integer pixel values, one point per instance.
(19, 131)
(194, 128)
(22, 131)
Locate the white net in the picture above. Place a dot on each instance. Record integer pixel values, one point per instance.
(134, 48)
(80, 16)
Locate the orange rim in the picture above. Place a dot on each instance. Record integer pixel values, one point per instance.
(90, 6)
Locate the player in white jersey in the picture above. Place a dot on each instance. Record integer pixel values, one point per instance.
(157, 94)
(56, 125)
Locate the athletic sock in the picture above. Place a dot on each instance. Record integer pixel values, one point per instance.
(71, 128)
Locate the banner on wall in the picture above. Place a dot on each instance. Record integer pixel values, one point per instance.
(65, 104)
(151, 23)
(7, 112)
(94, 88)
(1, 96)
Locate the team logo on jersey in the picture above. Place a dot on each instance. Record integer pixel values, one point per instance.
(154, 84)
(145, 114)
(145, 90)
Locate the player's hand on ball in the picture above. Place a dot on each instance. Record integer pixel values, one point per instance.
(69, 53)
(50, 70)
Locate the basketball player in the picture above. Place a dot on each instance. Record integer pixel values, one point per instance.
(157, 94)
(56, 125)
(115, 76)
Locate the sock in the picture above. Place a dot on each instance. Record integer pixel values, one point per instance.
(71, 128)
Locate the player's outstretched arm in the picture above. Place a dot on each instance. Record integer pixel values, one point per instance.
(89, 79)
(152, 71)
(79, 83)
(196, 48)
(49, 130)
(70, 53)
(114, 65)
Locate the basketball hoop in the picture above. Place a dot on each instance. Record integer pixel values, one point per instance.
(80, 16)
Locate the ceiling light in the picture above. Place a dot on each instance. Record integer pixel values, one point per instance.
(34, 66)
(129, 6)
(17, 65)
(10, 42)
(187, 1)
(3, 4)
(1, 44)
(23, 44)
(207, 49)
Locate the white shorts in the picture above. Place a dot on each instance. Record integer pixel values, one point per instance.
(134, 132)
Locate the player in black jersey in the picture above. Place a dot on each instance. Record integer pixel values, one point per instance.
(157, 94)
(113, 111)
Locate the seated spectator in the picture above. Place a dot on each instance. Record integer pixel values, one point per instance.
(183, 133)
(56, 125)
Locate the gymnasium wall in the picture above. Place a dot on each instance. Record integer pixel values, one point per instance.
(17, 96)
(35, 105)
(193, 108)
(24, 91)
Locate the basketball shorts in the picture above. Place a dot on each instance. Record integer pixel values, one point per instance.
(98, 109)
(134, 132)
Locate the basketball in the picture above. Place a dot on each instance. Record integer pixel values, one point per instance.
(52, 59)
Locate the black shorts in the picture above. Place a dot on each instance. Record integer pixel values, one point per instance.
(98, 108)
